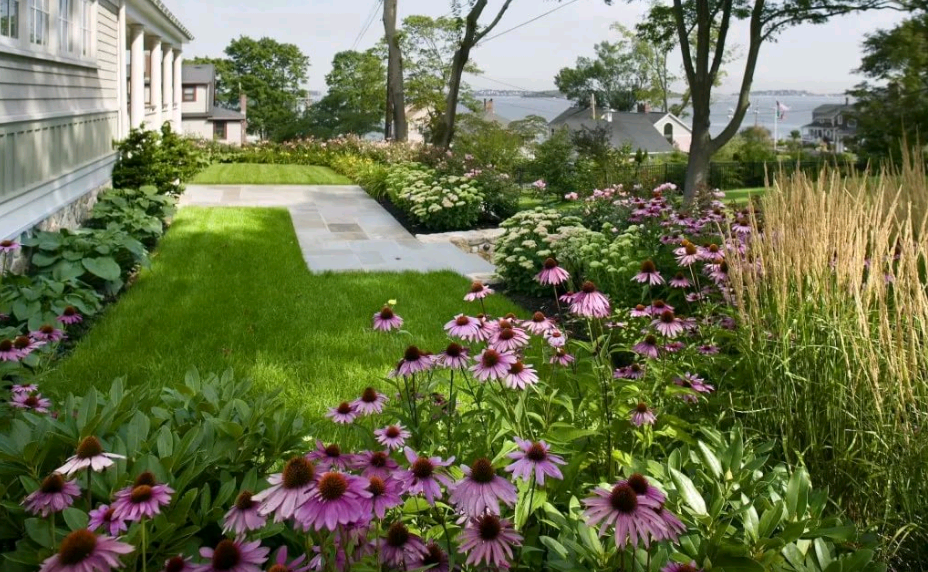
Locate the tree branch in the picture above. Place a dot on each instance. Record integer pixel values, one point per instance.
(684, 42)
(492, 24)
(720, 42)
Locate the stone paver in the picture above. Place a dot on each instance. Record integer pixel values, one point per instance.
(342, 228)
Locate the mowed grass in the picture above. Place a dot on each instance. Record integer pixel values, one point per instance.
(743, 195)
(228, 288)
(256, 174)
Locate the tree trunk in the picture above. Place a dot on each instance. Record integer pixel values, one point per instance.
(701, 146)
(395, 91)
(445, 136)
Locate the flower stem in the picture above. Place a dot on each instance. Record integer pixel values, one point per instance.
(89, 494)
(144, 548)
(52, 523)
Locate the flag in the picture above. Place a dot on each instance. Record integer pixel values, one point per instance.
(781, 111)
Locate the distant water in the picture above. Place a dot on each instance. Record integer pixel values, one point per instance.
(799, 114)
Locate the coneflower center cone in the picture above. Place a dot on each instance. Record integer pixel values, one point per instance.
(393, 432)
(176, 564)
(658, 304)
(476, 287)
(369, 395)
(333, 451)
(386, 313)
(76, 547)
(379, 459)
(489, 527)
(332, 486)
(423, 468)
(517, 368)
(636, 368)
(47, 330)
(145, 478)
(550, 264)
(667, 317)
(538, 317)
(70, 311)
(641, 407)
(6, 345)
(279, 568)
(397, 535)
(298, 473)
(588, 287)
(638, 483)
(412, 354)
(648, 267)
(6, 243)
(32, 401)
(54, 483)
(454, 350)
(344, 408)
(462, 320)
(226, 556)
(22, 342)
(433, 556)
(244, 502)
(482, 471)
(89, 447)
(623, 499)
(140, 494)
(490, 358)
(690, 249)
(536, 453)
(376, 486)
(687, 568)
(650, 340)
(506, 334)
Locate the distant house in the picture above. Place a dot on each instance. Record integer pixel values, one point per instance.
(417, 120)
(831, 124)
(201, 116)
(651, 131)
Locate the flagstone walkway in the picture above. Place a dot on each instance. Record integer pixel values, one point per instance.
(342, 228)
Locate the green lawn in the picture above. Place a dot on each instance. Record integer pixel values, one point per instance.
(256, 174)
(228, 288)
(743, 195)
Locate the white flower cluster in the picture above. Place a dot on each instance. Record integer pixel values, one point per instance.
(529, 238)
(440, 203)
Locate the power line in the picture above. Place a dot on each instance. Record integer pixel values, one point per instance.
(536, 18)
(367, 26)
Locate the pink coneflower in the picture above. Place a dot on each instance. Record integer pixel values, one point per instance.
(178, 564)
(143, 499)
(84, 551)
(492, 364)
(375, 464)
(642, 415)
(8, 351)
(89, 455)
(103, 517)
(453, 357)
(668, 324)
(520, 376)
(414, 361)
(741, 226)
(539, 324)
(677, 567)
(649, 274)
(343, 414)
(647, 347)
(674, 347)
(640, 311)
(534, 459)
(234, 556)
(658, 307)
(384, 495)
(48, 333)
(425, 477)
(679, 281)
(289, 489)
(54, 495)
(509, 339)
(712, 253)
(673, 527)
(687, 254)
(639, 483)
(8, 245)
(708, 349)
(552, 274)
(392, 437)
(633, 517)
(370, 402)
(70, 316)
(633, 371)
(481, 490)
(435, 559)
(244, 515)
(335, 501)
(478, 291)
(562, 358)
(386, 320)
(567, 297)
(489, 539)
(400, 548)
(32, 402)
(720, 273)
(464, 327)
(555, 338)
(589, 302)
(27, 389)
(694, 383)
(328, 457)
(281, 565)
(26, 345)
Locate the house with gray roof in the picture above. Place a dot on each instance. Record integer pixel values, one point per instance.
(201, 117)
(832, 123)
(651, 131)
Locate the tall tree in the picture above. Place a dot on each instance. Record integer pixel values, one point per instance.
(356, 97)
(703, 58)
(396, 127)
(269, 73)
(616, 77)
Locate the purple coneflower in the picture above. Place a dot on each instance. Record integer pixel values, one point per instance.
(489, 539)
(370, 402)
(424, 477)
(70, 315)
(720, 273)
(679, 281)
(478, 291)
(673, 527)
(401, 548)
(328, 457)
(281, 565)
(143, 499)
(694, 383)
(712, 253)
(48, 333)
(509, 339)
(343, 414)
(453, 357)
(741, 226)
(89, 455)
(687, 254)
(33, 402)
(639, 483)
(658, 307)
(492, 364)
(567, 297)
(539, 324)
(435, 559)
(642, 415)
(555, 338)
(414, 361)
(668, 324)
(562, 358)
(289, 489)
(178, 564)
(589, 302)
(552, 274)
(84, 551)
(27, 389)
(384, 495)
(464, 327)
(375, 464)
(26, 345)
(534, 459)
(640, 311)
(244, 515)
(8, 245)
(633, 517)
(649, 274)
(336, 500)
(54, 495)
(708, 349)
(520, 376)
(677, 567)
(392, 437)
(234, 556)
(103, 517)
(647, 347)
(633, 371)
(8, 351)
(674, 347)
(481, 490)
(386, 320)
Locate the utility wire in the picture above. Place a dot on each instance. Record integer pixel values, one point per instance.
(536, 18)
(366, 27)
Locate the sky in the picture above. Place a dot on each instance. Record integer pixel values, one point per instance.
(819, 59)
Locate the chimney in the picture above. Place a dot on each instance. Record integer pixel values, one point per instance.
(847, 100)
(243, 107)
(484, 104)
(489, 106)
(644, 107)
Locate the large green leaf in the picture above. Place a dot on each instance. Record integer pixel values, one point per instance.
(103, 267)
(688, 492)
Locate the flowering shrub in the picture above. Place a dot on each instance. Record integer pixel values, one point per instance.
(528, 240)
(160, 158)
(444, 203)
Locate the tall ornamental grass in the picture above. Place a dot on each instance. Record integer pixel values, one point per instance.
(834, 302)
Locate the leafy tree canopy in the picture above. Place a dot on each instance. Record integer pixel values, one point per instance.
(356, 99)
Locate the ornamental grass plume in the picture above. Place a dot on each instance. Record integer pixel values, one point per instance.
(84, 551)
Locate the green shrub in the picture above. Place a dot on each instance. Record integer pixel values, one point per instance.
(554, 164)
(140, 212)
(32, 301)
(163, 159)
(442, 204)
(371, 175)
(528, 240)
(500, 195)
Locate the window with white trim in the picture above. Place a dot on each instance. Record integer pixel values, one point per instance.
(85, 20)
(9, 18)
(65, 31)
(39, 16)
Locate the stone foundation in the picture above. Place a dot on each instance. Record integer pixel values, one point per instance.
(480, 242)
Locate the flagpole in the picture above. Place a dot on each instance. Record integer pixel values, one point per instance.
(776, 132)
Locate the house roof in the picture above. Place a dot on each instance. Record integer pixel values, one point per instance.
(223, 114)
(198, 73)
(636, 129)
(173, 19)
(831, 109)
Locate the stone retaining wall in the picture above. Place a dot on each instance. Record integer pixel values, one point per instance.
(481, 242)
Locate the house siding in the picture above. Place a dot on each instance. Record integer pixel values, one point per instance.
(203, 104)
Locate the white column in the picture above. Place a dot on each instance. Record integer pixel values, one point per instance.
(178, 89)
(137, 75)
(156, 87)
(122, 82)
(167, 80)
